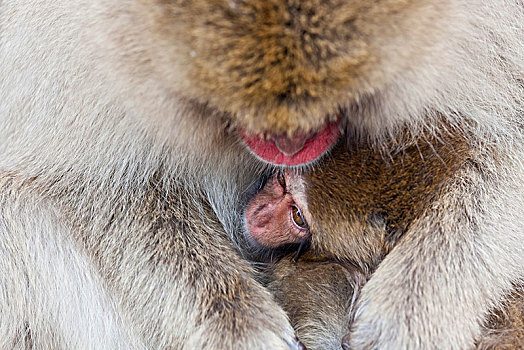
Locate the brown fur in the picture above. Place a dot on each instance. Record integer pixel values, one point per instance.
(362, 202)
(126, 116)
(504, 329)
(319, 295)
(288, 64)
(378, 193)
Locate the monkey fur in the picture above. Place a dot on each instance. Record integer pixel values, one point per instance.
(319, 294)
(124, 165)
(320, 290)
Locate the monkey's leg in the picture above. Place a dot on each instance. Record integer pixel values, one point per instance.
(436, 286)
(51, 296)
(319, 295)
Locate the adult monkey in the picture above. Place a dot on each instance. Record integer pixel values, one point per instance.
(122, 167)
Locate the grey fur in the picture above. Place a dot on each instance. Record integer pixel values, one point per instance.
(437, 285)
(97, 243)
(115, 218)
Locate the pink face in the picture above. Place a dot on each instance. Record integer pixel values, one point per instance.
(278, 214)
(298, 149)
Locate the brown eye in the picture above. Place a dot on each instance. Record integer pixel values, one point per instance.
(298, 218)
(281, 179)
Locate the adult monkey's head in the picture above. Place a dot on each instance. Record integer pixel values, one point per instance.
(290, 76)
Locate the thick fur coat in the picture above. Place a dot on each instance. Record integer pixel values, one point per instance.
(122, 175)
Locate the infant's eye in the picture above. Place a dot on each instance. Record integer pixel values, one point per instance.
(281, 179)
(298, 218)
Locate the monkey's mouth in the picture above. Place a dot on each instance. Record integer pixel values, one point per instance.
(296, 150)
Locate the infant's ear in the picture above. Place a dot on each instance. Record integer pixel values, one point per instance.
(317, 295)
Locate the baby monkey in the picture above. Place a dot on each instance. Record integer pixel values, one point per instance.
(278, 215)
(351, 216)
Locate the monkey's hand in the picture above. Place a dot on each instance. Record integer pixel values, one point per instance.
(208, 299)
(457, 260)
(244, 317)
(230, 309)
(183, 285)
